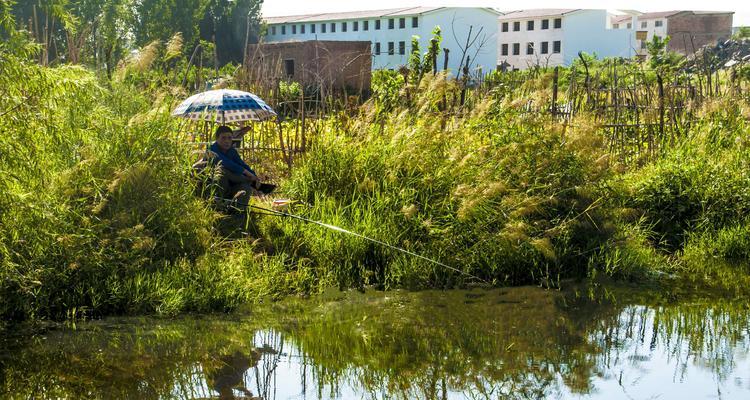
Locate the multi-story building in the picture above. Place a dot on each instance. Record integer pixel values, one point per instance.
(550, 37)
(390, 33)
(688, 30)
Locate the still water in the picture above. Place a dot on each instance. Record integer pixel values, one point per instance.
(522, 343)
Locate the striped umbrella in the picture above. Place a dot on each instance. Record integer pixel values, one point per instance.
(224, 106)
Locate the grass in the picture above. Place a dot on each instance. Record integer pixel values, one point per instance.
(100, 216)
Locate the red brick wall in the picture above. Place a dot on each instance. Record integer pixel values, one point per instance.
(331, 64)
(690, 32)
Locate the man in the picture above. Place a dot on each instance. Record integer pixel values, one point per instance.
(236, 178)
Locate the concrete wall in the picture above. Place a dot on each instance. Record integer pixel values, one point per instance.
(588, 31)
(462, 17)
(336, 64)
(692, 31)
(455, 24)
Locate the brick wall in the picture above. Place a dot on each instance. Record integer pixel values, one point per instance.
(330, 64)
(690, 32)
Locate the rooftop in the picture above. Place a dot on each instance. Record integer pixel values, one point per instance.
(539, 12)
(390, 12)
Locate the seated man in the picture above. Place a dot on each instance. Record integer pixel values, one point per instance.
(237, 179)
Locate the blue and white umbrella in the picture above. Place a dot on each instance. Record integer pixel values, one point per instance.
(224, 106)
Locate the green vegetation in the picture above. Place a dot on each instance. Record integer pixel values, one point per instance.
(99, 213)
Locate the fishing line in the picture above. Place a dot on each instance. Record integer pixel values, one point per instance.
(268, 211)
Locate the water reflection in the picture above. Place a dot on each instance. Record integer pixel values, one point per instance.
(513, 343)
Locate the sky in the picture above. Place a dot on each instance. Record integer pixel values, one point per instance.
(273, 8)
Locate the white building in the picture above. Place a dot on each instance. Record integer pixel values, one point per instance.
(390, 32)
(550, 37)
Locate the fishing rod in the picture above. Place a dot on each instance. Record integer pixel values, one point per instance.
(270, 211)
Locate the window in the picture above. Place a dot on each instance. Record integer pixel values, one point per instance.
(658, 23)
(273, 30)
(644, 24)
(333, 27)
(401, 23)
(390, 48)
(545, 24)
(302, 29)
(294, 29)
(630, 25)
(516, 49)
(545, 47)
(643, 44)
(343, 27)
(312, 28)
(289, 68)
(556, 46)
(402, 48)
(504, 50)
(530, 25)
(516, 26)
(377, 48)
(558, 23)
(283, 29)
(355, 26)
(390, 23)
(365, 25)
(377, 24)
(414, 22)
(529, 48)
(615, 26)
(323, 28)
(505, 27)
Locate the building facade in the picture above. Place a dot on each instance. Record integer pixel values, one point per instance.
(551, 37)
(390, 33)
(688, 30)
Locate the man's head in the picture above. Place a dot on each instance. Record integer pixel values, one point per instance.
(223, 136)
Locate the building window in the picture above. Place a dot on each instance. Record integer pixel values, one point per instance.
(558, 23)
(644, 24)
(401, 23)
(402, 48)
(377, 24)
(302, 29)
(390, 23)
(530, 25)
(615, 26)
(312, 28)
(504, 50)
(390, 48)
(516, 26)
(323, 28)
(289, 68)
(414, 22)
(516, 49)
(365, 25)
(505, 27)
(530, 48)
(343, 27)
(556, 46)
(545, 47)
(658, 23)
(294, 29)
(545, 24)
(643, 44)
(273, 30)
(630, 25)
(333, 27)
(283, 29)
(355, 26)
(377, 48)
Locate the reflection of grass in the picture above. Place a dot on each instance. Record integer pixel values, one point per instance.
(512, 343)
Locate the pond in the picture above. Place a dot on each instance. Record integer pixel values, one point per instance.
(528, 343)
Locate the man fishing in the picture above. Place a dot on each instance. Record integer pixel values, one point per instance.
(236, 179)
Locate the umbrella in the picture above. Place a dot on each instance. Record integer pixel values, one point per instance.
(224, 106)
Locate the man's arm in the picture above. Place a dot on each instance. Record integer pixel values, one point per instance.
(238, 160)
(227, 161)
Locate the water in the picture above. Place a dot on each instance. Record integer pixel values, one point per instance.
(479, 344)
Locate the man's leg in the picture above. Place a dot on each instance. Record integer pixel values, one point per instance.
(238, 183)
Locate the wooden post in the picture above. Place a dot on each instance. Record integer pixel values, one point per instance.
(554, 91)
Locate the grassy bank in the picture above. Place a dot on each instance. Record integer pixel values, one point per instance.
(99, 214)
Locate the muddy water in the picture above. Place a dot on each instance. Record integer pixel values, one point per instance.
(598, 343)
